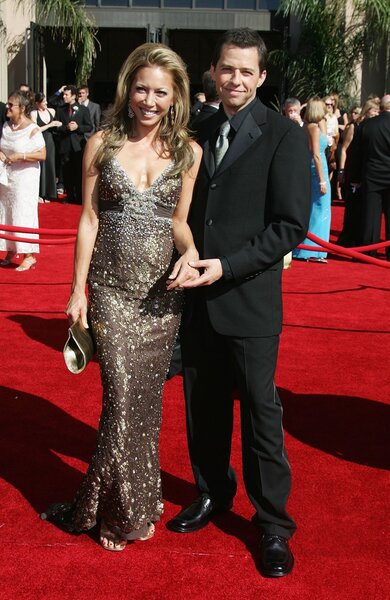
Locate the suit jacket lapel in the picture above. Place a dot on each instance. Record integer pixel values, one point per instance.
(248, 133)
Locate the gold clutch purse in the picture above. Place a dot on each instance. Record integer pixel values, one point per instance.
(79, 347)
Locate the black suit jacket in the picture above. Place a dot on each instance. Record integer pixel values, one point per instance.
(95, 114)
(73, 141)
(253, 211)
(371, 153)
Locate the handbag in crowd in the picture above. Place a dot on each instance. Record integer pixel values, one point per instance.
(79, 347)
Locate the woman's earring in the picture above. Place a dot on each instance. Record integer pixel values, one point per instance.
(171, 114)
(130, 112)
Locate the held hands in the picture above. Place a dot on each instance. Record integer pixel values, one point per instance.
(72, 126)
(77, 307)
(212, 271)
(182, 271)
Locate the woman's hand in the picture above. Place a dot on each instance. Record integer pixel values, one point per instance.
(56, 124)
(77, 307)
(13, 158)
(3, 157)
(182, 272)
(323, 188)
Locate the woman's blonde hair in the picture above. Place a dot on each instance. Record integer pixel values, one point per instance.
(370, 104)
(315, 110)
(172, 133)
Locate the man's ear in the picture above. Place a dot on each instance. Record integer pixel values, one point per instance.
(262, 78)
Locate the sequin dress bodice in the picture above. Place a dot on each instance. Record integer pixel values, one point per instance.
(134, 245)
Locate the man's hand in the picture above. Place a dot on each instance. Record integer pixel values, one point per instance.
(72, 126)
(212, 271)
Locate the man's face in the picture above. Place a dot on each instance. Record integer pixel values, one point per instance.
(83, 95)
(293, 113)
(237, 77)
(69, 98)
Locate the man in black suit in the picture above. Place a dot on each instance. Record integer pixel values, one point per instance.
(94, 109)
(371, 171)
(251, 206)
(76, 122)
(211, 105)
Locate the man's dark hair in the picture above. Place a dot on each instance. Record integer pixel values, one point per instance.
(72, 89)
(242, 37)
(208, 84)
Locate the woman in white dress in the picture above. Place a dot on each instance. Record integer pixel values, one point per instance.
(21, 148)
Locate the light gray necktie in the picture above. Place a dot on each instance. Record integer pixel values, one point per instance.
(222, 144)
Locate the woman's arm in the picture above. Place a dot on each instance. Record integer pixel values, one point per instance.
(314, 143)
(348, 137)
(182, 235)
(86, 234)
(33, 156)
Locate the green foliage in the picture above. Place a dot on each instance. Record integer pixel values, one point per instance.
(71, 24)
(331, 43)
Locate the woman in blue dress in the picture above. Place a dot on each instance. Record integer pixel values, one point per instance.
(320, 195)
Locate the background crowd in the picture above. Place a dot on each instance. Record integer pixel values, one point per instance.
(68, 118)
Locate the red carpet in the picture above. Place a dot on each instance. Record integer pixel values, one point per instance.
(334, 379)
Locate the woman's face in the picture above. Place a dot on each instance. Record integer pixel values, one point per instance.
(14, 110)
(329, 105)
(42, 105)
(355, 114)
(151, 95)
(372, 112)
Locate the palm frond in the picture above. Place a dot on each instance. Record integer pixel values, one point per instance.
(70, 23)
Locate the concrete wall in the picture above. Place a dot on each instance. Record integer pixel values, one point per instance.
(15, 21)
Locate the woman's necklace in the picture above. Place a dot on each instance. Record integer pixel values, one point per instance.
(15, 127)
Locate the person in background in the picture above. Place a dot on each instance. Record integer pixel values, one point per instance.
(93, 107)
(332, 134)
(292, 110)
(351, 233)
(211, 104)
(371, 171)
(320, 186)
(75, 123)
(139, 173)
(46, 120)
(3, 118)
(21, 148)
(199, 99)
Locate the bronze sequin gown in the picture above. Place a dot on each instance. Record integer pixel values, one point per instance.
(135, 322)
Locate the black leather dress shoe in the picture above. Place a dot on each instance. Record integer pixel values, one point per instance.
(276, 558)
(197, 515)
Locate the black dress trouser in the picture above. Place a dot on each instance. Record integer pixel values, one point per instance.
(212, 364)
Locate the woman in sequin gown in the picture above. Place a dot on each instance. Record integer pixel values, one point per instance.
(139, 173)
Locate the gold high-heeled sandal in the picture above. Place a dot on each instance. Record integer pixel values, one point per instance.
(26, 263)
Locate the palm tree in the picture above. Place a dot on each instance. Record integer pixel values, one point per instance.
(70, 23)
(335, 36)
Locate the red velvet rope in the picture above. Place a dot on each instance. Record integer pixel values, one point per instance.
(32, 230)
(322, 244)
(15, 238)
(346, 251)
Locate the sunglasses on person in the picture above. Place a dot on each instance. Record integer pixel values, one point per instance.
(11, 104)
(329, 104)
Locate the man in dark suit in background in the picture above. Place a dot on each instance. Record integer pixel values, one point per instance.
(76, 122)
(371, 171)
(211, 105)
(94, 109)
(251, 206)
